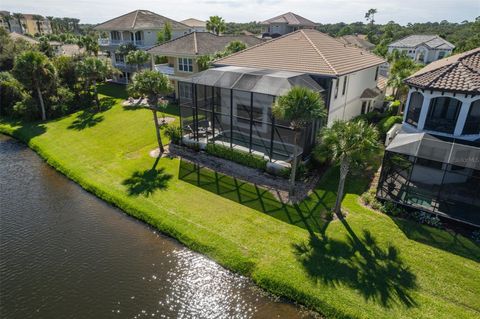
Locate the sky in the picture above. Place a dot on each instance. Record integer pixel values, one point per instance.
(322, 11)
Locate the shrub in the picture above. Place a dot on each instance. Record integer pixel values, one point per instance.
(301, 173)
(174, 133)
(393, 107)
(11, 92)
(391, 209)
(237, 156)
(426, 218)
(386, 124)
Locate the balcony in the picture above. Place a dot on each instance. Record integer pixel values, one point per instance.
(165, 68)
(108, 42)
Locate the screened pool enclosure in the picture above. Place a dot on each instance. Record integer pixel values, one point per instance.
(432, 174)
(231, 106)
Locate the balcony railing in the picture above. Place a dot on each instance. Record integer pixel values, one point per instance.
(106, 42)
(165, 68)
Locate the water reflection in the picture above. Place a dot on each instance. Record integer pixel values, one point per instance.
(66, 254)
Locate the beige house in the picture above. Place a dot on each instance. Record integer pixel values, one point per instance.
(182, 53)
(285, 23)
(195, 24)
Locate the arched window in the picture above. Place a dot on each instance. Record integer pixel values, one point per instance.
(472, 125)
(442, 114)
(414, 108)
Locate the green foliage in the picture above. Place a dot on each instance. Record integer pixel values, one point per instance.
(243, 158)
(11, 92)
(45, 48)
(66, 70)
(165, 34)
(216, 25)
(174, 133)
(204, 62)
(386, 123)
(152, 85)
(126, 48)
(10, 49)
(393, 107)
(90, 44)
(235, 46)
(137, 58)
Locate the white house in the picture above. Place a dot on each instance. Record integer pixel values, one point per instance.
(285, 23)
(139, 28)
(423, 48)
(349, 75)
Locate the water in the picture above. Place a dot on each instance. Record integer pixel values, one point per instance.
(66, 254)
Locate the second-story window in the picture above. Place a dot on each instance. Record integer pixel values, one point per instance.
(115, 35)
(185, 64)
(344, 85)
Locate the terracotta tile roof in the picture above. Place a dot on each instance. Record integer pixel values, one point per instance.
(431, 41)
(139, 20)
(192, 22)
(307, 51)
(201, 43)
(290, 18)
(357, 41)
(458, 73)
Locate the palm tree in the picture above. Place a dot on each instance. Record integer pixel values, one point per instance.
(300, 106)
(90, 45)
(401, 68)
(19, 18)
(35, 71)
(7, 18)
(235, 46)
(346, 143)
(38, 19)
(370, 16)
(92, 69)
(153, 85)
(137, 58)
(216, 25)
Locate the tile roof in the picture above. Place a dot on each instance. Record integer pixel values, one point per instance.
(307, 51)
(431, 41)
(357, 41)
(192, 22)
(139, 20)
(290, 18)
(201, 43)
(457, 73)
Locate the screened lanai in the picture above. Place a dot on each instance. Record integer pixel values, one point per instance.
(231, 106)
(433, 174)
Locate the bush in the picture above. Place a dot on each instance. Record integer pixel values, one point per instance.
(426, 218)
(393, 107)
(174, 133)
(391, 209)
(301, 173)
(11, 92)
(236, 156)
(386, 124)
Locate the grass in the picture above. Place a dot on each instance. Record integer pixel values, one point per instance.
(366, 266)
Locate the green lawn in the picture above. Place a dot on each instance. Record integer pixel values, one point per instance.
(366, 266)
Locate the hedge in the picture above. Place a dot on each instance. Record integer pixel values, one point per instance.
(237, 156)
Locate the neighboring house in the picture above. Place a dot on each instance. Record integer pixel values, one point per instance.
(140, 28)
(231, 104)
(195, 25)
(348, 74)
(358, 41)
(433, 164)
(13, 22)
(423, 48)
(285, 23)
(182, 53)
(58, 47)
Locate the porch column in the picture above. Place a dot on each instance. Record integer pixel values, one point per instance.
(424, 112)
(134, 38)
(462, 117)
(121, 36)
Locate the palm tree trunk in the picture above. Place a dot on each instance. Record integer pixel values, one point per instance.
(97, 102)
(42, 105)
(294, 164)
(157, 131)
(344, 167)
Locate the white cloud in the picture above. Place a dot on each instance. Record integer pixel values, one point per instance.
(323, 11)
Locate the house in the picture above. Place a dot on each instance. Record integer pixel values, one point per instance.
(348, 74)
(231, 103)
(195, 25)
(285, 23)
(182, 53)
(433, 164)
(423, 48)
(358, 41)
(139, 28)
(57, 47)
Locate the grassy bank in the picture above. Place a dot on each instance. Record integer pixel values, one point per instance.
(367, 266)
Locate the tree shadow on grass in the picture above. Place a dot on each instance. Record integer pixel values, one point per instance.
(309, 214)
(380, 275)
(85, 119)
(106, 103)
(148, 181)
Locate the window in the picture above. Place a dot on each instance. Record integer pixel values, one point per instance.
(185, 64)
(414, 108)
(119, 58)
(344, 85)
(376, 73)
(442, 114)
(115, 35)
(472, 124)
(337, 83)
(364, 107)
(441, 54)
(185, 90)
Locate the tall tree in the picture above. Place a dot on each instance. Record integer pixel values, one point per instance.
(19, 18)
(348, 144)
(92, 69)
(401, 67)
(137, 58)
(370, 16)
(154, 86)
(35, 71)
(216, 24)
(235, 46)
(90, 44)
(300, 106)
